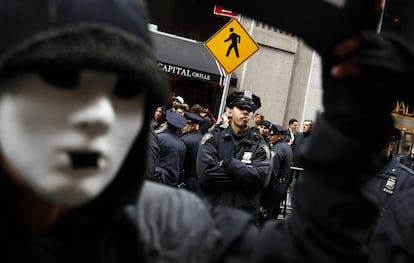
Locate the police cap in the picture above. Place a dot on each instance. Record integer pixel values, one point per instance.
(266, 124)
(192, 117)
(175, 119)
(277, 129)
(244, 99)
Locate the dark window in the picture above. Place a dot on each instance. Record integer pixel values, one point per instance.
(187, 18)
(398, 18)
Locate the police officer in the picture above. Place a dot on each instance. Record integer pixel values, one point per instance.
(282, 157)
(172, 150)
(191, 137)
(232, 165)
(393, 178)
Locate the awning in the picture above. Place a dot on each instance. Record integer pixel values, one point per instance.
(188, 58)
(403, 122)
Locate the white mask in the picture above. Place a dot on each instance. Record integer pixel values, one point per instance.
(67, 145)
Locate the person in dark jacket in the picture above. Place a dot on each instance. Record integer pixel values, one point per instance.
(79, 83)
(89, 117)
(206, 124)
(369, 69)
(388, 60)
(172, 151)
(232, 165)
(191, 138)
(394, 177)
(300, 143)
(153, 155)
(282, 157)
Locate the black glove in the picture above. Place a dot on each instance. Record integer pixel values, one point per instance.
(391, 59)
(353, 103)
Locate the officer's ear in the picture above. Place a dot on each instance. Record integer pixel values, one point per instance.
(230, 112)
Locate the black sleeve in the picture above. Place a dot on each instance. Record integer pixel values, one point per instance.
(323, 226)
(393, 238)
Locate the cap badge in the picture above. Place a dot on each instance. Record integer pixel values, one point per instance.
(248, 94)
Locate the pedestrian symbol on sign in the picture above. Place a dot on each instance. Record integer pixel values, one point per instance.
(231, 45)
(235, 39)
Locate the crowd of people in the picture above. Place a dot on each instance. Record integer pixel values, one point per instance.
(79, 84)
(178, 166)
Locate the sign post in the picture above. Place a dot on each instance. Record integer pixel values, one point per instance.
(225, 92)
(231, 46)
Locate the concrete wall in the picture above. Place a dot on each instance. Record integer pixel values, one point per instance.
(285, 73)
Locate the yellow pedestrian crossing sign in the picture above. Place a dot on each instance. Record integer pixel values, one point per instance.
(231, 45)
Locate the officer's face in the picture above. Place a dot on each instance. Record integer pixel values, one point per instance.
(67, 143)
(241, 117)
(275, 138)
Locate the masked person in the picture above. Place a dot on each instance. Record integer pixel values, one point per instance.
(78, 85)
(73, 148)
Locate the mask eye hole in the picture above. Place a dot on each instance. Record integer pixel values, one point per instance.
(127, 87)
(63, 77)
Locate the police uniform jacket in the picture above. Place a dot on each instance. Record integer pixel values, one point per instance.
(192, 141)
(394, 178)
(282, 155)
(171, 158)
(233, 169)
(276, 190)
(408, 161)
(393, 238)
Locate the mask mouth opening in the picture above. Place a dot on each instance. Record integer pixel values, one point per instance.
(85, 159)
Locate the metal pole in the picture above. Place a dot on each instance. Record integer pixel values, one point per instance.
(227, 78)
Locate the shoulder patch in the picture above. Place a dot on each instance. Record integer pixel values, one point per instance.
(206, 137)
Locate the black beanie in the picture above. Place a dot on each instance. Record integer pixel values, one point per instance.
(102, 34)
(96, 34)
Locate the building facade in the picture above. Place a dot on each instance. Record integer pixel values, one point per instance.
(285, 72)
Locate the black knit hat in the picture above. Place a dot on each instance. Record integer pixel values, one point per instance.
(101, 34)
(94, 34)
